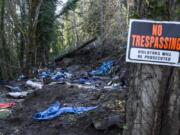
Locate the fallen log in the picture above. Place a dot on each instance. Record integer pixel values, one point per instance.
(74, 50)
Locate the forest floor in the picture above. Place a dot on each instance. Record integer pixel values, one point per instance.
(107, 119)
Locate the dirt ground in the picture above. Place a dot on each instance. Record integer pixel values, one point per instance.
(107, 119)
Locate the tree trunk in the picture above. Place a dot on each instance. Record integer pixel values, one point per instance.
(153, 105)
(75, 33)
(153, 89)
(22, 38)
(34, 8)
(101, 11)
(4, 70)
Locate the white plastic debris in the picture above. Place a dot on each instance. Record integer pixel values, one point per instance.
(18, 94)
(85, 86)
(36, 85)
(81, 86)
(112, 86)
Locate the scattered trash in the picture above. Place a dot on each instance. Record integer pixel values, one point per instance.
(7, 105)
(86, 81)
(22, 77)
(4, 113)
(81, 86)
(112, 86)
(54, 75)
(14, 89)
(36, 85)
(86, 86)
(103, 69)
(60, 75)
(44, 74)
(19, 94)
(54, 83)
(56, 110)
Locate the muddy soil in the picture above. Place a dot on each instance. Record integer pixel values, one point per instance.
(109, 102)
(107, 119)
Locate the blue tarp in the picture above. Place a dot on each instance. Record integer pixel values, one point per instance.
(56, 110)
(103, 69)
(87, 81)
(54, 75)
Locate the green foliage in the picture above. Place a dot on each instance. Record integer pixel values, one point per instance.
(91, 24)
(157, 9)
(70, 5)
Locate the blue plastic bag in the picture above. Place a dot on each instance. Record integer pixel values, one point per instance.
(54, 75)
(86, 81)
(57, 76)
(103, 69)
(60, 75)
(44, 74)
(14, 88)
(56, 110)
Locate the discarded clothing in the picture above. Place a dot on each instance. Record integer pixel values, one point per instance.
(103, 69)
(4, 113)
(56, 110)
(36, 85)
(44, 74)
(54, 75)
(7, 105)
(14, 89)
(60, 75)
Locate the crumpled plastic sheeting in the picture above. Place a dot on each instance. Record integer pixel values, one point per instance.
(7, 105)
(86, 81)
(55, 75)
(103, 69)
(56, 110)
(14, 88)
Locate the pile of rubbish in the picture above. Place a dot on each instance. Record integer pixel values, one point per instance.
(92, 80)
(96, 80)
(54, 75)
(103, 69)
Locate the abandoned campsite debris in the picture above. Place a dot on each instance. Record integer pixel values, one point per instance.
(14, 88)
(7, 105)
(56, 110)
(36, 85)
(55, 75)
(4, 113)
(19, 94)
(103, 69)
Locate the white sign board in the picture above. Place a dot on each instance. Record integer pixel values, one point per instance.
(154, 42)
